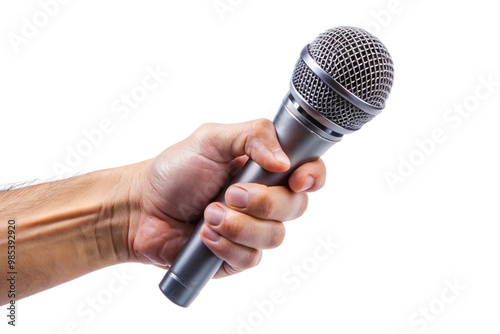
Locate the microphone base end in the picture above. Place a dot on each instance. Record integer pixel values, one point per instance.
(177, 292)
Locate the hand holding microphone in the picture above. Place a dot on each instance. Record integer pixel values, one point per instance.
(340, 82)
(145, 212)
(140, 212)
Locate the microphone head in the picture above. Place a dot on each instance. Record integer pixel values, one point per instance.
(356, 60)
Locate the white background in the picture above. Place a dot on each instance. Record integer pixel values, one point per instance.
(398, 247)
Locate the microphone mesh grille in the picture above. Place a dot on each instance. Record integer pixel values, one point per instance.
(359, 62)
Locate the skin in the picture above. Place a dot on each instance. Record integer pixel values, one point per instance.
(145, 212)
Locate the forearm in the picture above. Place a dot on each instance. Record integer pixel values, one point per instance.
(65, 229)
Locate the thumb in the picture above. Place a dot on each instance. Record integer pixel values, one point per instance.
(256, 139)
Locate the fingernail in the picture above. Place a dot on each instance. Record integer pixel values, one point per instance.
(210, 234)
(281, 156)
(214, 215)
(237, 196)
(308, 184)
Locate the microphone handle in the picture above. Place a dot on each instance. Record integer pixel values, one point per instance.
(196, 264)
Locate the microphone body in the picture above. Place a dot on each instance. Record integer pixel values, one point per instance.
(340, 82)
(196, 264)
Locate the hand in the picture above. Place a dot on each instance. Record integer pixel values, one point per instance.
(146, 212)
(179, 184)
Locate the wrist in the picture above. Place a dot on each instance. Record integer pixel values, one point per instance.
(120, 212)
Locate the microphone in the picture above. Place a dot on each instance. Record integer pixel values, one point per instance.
(340, 82)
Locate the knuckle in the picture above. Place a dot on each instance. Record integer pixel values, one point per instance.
(202, 131)
(268, 207)
(231, 227)
(230, 270)
(264, 203)
(277, 235)
(302, 207)
(204, 127)
(261, 126)
(261, 131)
(251, 260)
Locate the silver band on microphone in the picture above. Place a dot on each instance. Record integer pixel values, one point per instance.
(338, 88)
(331, 130)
